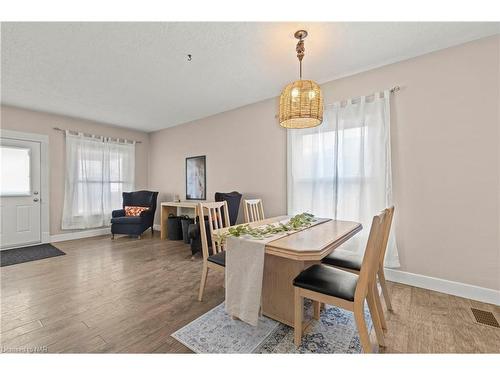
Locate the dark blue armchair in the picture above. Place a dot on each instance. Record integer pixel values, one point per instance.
(135, 225)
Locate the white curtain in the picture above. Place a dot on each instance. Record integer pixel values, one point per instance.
(98, 170)
(342, 168)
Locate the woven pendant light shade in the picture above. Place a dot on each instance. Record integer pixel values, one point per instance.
(301, 105)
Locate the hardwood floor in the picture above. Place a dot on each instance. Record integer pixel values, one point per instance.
(128, 295)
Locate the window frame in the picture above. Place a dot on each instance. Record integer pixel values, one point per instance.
(30, 171)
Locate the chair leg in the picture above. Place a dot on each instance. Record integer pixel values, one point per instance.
(375, 318)
(380, 310)
(364, 338)
(317, 310)
(297, 323)
(112, 236)
(152, 232)
(385, 292)
(204, 274)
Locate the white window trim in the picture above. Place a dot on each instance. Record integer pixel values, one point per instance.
(44, 175)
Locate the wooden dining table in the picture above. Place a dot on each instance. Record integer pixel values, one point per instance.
(287, 256)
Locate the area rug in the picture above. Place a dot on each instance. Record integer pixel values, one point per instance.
(216, 332)
(28, 254)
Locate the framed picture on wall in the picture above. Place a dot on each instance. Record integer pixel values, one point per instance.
(196, 178)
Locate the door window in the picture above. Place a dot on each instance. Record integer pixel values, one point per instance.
(15, 171)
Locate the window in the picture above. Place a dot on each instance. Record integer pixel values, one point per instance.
(97, 172)
(15, 171)
(326, 164)
(92, 180)
(342, 168)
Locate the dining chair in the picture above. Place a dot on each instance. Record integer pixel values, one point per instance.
(253, 209)
(218, 217)
(348, 261)
(329, 285)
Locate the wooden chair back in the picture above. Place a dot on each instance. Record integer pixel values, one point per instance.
(215, 221)
(387, 231)
(253, 209)
(371, 259)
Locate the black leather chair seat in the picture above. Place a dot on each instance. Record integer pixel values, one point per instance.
(127, 220)
(219, 258)
(327, 280)
(344, 259)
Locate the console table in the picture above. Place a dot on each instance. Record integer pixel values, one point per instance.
(168, 208)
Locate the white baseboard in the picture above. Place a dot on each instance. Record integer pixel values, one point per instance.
(80, 234)
(473, 292)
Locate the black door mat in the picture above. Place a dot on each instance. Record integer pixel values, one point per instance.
(28, 254)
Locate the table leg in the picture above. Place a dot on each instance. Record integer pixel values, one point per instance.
(165, 211)
(277, 287)
(163, 223)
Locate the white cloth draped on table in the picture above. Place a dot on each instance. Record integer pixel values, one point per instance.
(98, 170)
(244, 273)
(342, 168)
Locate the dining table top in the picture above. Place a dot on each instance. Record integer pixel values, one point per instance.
(313, 243)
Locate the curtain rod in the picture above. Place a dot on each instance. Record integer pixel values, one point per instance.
(392, 90)
(93, 135)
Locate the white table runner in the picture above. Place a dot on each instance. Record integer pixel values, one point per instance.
(244, 273)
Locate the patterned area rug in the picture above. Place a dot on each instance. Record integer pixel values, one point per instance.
(216, 332)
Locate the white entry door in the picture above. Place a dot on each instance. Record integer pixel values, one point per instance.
(20, 207)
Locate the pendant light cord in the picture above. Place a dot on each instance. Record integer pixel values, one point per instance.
(300, 54)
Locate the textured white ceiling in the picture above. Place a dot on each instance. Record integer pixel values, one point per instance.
(137, 75)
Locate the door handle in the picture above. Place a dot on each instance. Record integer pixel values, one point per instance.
(35, 199)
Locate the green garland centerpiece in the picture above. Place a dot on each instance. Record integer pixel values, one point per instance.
(298, 222)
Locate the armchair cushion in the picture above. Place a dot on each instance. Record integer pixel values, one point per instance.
(135, 210)
(127, 220)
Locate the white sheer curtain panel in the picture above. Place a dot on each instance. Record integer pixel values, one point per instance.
(98, 170)
(342, 168)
